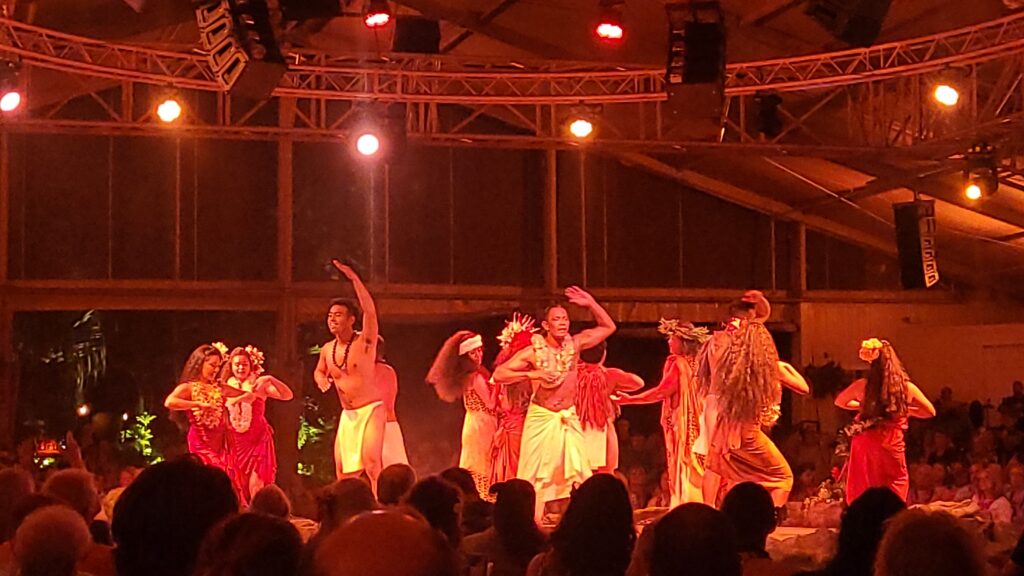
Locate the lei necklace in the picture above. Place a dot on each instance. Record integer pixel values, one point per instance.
(564, 359)
(207, 394)
(344, 361)
(240, 413)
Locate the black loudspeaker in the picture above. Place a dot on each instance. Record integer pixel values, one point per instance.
(855, 22)
(704, 52)
(915, 241)
(417, 34)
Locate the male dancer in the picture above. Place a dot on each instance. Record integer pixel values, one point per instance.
(742, 375)
(553, 456)
(387, 381)
(348, 363)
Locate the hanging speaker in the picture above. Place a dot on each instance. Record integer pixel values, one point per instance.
(915, 241)
(417, 35)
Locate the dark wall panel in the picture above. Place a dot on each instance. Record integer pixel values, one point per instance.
(419, 206)
(143, 180)
(724, 245)
(643, 222)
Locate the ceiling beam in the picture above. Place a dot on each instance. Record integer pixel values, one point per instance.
(767, 12)
(483, 20)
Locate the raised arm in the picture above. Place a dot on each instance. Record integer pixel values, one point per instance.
(792, 379)
(850, 398)
(918, 405)
(605, 325)
(181, 398)
(370, 327)
(321, 375)
(518, 367)
(271, 387)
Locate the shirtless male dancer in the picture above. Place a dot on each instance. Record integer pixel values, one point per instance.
(348, 363)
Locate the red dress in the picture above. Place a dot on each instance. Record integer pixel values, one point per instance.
(207, 434)
(252, 451)
(878, 458)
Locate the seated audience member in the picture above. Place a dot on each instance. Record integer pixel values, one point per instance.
(394, 483)
(163, 516)
(988, 495)
(15, 486)
(918, 543)
(438, 501)
(251, 545)
(272, 501)
(506, 548)
(386, 543)
(476, 512)
(595, 536)
(861, 530)
(51, 541)
(77, 488)
(692, 539)
(750, 508)
(337, 503)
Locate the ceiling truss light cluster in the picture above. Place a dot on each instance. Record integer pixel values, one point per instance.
(11, 96)
(377, 14)
(981, 172)
(609, 26)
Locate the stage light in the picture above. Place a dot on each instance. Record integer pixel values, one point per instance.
(10, 101)
(981, 176)
(946, 94)
(124, 417)
(609, 25)
(169, 110)
(377, 14)
(367, 144)
(83, 410)
(581, 128)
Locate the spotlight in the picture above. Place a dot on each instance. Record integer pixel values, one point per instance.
(946, 94)
(83, 410)
(981, 176)
(367, 144)
(169, 110)
(377, 14)
(124, 417)
(609, 25)
(10, 90)
(581, 128)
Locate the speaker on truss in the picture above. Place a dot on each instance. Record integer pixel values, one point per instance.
(856, 22)
(239, 43)
(417, 35)
(695, 70)
(915, 241)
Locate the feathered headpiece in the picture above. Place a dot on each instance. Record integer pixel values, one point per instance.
(221, 347)
(683, 330)
(518, 324)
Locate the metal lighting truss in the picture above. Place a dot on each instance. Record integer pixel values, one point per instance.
(864, 99)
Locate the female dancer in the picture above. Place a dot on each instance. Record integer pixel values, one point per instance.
(250, 436)
(513, 401)
(883, 401)
(199, 394)
(458, 371)
(681, 408)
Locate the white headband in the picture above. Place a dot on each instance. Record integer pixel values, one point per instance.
(470, 344)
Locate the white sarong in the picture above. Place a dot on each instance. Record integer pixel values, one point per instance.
(394, 446)
(348, 444)
(553, 456)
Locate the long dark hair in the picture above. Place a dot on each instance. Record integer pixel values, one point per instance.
(451, 373)
(596, 535)
(513, 519)
(194, 365)
(885, 393)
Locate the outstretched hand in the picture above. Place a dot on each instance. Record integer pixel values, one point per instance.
(345, 269)
(579, 296)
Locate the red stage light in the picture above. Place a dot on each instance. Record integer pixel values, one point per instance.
(609, 30)
(378, 14)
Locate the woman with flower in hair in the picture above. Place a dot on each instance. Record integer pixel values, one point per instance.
(458, 371)
(250, 436)
(513, 400)
(681, 408)
(200, 395)
(883, 401)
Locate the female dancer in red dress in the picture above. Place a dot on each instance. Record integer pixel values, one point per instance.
(513, 401)
(199, 393)
(884, 400)
(250, 436)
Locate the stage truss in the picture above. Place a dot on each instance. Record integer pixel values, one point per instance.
(865, 99)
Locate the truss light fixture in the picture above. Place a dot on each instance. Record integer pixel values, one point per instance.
(83, 410)
(10, 89)
(368, 144)
(377, 14)
(946, 94)
(981, 178)
(609, 26)
(582, 122)
(169, 110)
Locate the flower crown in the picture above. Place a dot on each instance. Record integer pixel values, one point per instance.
(679, 329)
(518, 323)
(221, 347)
(257, 358)
(871, 344)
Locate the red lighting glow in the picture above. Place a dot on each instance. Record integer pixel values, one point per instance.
(609, 30)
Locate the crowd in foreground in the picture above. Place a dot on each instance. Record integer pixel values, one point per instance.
(183, 518)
